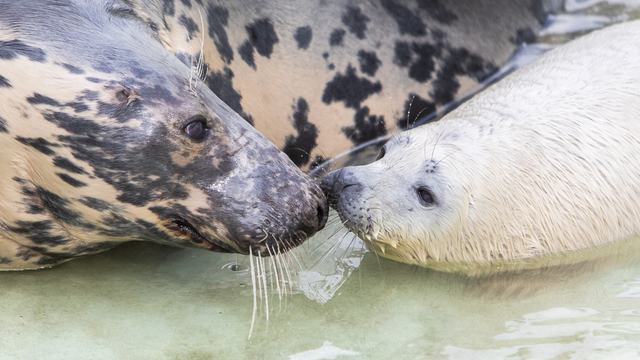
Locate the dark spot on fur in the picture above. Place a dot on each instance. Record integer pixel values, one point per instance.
(46, 260)
(39, 232)
(325, 55)
(77, 106)
(369, 62)
(331, 67)
(139, 167)
(299, 147)
(168, 7)
(415, 108)
(3, 126)
(246, 53)
(422, 68)
(367, 127)
(403, 54)
(64, 163)
(188, 24)
(303, 37)
(121, 111)
(12, 48)
(458, 62)
(218, 18)
(39, 144)
(94, 203)
(262, 36)
(408, 21)
(4, 260)
(184, 57)
(4, 82)
(41, 99)
(355, 21)
(523, 36)
(70, 180)
(221, 83)
(57, 207)
(72, 69)
(94, 80)
(337, 37)
(186, 3)
(350, 89)
(437, 11)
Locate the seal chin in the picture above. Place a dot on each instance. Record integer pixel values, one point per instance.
(188, 231)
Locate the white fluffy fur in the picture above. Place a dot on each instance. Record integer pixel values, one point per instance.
(545, 161)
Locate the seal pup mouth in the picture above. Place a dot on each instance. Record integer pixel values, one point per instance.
(187, 230)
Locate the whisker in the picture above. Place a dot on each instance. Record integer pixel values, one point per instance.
(255, 300)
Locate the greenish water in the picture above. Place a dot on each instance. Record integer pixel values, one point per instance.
(146, 301)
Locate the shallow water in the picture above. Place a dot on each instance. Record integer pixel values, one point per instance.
(146, 301)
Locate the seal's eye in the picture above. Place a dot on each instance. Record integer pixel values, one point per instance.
(426, 196)
(382, 153)
(196, 129)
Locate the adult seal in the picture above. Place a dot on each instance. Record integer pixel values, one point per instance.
(107, 137)
(544, 162)
(319, 77)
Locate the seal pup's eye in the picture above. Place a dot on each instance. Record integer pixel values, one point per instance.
(196, 129)
(426, 196)
(382, 153)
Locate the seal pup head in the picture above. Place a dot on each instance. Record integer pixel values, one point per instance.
(106, 138)
(410, 202)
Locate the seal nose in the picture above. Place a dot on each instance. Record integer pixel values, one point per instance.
(334, 183)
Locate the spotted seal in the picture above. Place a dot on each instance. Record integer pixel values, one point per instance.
(319, 77)
(108, 137)
(543, 162)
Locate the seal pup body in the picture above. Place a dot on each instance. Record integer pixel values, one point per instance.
(106, 137)
(543, 162)
(318, 78)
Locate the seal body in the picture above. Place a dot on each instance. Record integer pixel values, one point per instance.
(107, 137)
(543, 162)
(319, 77)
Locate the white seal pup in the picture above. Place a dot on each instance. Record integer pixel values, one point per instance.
(544, 162)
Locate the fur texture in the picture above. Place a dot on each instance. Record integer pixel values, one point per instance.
(544, 162)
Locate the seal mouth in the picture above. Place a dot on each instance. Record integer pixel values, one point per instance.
(190, 232)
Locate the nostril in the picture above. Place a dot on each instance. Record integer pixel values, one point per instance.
(322, 216)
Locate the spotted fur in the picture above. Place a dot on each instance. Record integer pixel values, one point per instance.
(95, 151)
(318, 77)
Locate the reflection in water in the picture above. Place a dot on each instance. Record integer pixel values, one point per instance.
(326, 352)
(579, 333)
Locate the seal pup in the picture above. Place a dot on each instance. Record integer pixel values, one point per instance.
(543, 162)
(107, 137)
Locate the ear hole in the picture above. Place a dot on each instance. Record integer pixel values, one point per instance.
(126, 95)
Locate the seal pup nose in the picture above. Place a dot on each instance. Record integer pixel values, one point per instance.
(334, 183)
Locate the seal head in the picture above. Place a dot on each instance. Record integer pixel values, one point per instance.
(107, 137)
